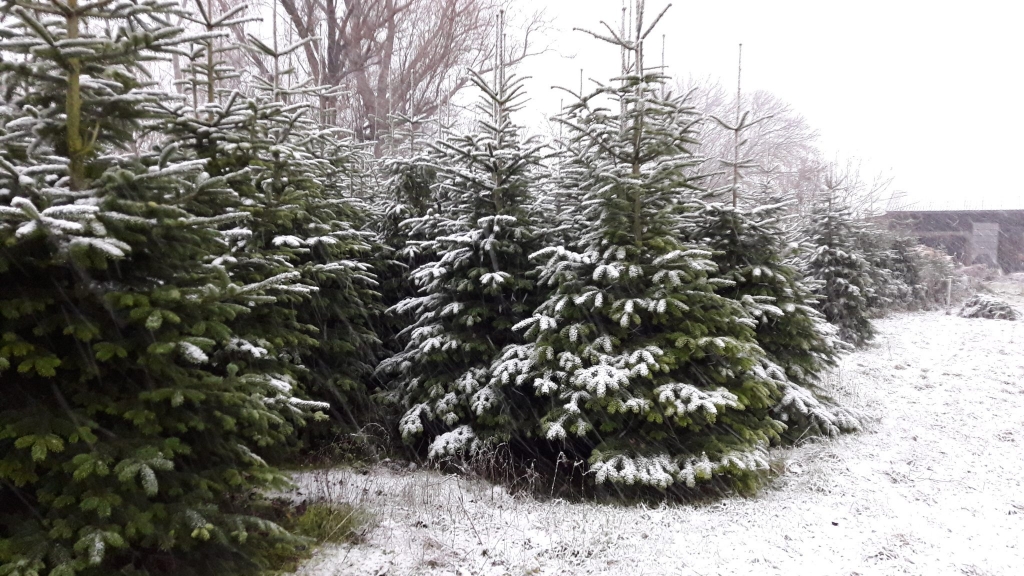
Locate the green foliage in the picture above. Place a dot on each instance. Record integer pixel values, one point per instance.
(843, 275)
(473, 288)
(333, 523)
(647, 372)
(749, 248)
(907, 275)
(133, 431)
(187, 279)
(891, 267)
(292, 178)
(406, 220)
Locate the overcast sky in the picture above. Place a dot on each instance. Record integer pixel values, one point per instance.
(932, 92)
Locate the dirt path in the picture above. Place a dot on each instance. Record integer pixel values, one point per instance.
(932, 486)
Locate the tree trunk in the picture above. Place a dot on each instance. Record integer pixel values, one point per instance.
(73, 109)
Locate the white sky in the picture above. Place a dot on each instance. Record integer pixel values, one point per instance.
(931, 92)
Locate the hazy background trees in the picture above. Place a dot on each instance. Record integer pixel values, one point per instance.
(394, 71)
(393, 67)
(782, 150)
(781, 144)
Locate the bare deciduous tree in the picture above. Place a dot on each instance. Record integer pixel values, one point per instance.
(394, 58)
(780, 144)
(783, 151)
(866, 195)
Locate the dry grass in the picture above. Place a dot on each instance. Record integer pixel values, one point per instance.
(334, 522)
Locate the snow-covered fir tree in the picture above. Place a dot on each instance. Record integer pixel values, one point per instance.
(749, 247)
(841, 272)
(131, 440)
(344, 260)
(405, 219)
(292, 179)
(749, 244)
(476, 288)
(648, 373)
(891, 268)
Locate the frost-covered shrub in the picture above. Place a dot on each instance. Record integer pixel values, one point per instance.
(936, 276)
(908, 275)
(983, 306)
(981, 273)
(889, 264)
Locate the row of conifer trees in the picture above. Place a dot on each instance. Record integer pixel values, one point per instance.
(601, 306)
(197, 282)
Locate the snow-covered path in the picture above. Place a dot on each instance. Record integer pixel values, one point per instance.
(932, 486)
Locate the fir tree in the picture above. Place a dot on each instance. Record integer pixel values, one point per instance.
(749, 247)
(648, 373)
(130, 437)
(842, 273)
(405, 218)
(891, 267)
(292, 179)
(476, 289)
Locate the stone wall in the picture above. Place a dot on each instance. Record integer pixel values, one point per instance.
(994, 237)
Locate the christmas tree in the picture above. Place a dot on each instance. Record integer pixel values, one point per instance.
(406, 218)
(842, 273)
(293, 178)
(648, 373)
(892, 268)
(749, 247)
(476, 288)
(132, 435)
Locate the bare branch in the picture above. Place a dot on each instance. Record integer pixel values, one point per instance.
(655, 23)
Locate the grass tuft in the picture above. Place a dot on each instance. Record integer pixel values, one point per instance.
(334, 523)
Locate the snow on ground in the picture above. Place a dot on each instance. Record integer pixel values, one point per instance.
(932, 486)
(1009, 288)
